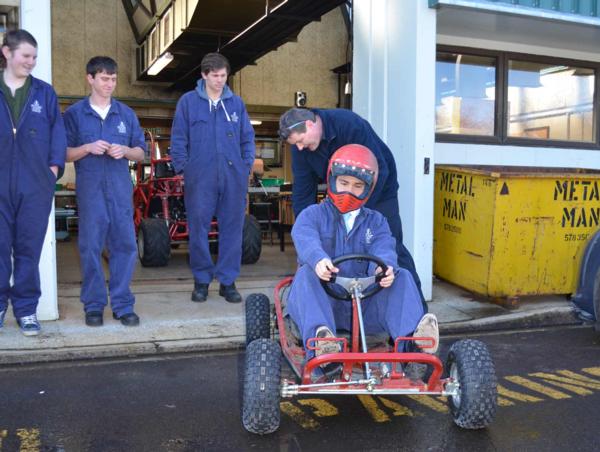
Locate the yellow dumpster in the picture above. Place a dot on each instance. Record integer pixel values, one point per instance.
(510, 231)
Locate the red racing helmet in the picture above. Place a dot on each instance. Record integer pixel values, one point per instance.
(351, 160)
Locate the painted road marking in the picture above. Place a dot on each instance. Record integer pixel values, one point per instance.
(553, 393)
(305, 421)
(322, 408)
(382, 409)
(517, 395)
(3, 434)
(370, 405)
(30, 439)
(592, 371)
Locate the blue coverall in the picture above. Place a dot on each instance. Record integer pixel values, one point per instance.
(342, 127)
(214, 148)
(319, 232)
(28, 147)
(105, 204)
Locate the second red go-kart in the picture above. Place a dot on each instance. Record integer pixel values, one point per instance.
(370, 365)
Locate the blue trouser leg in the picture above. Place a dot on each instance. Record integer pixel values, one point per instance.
(32, 212)
(230, 216)
(93, 229)
(389, 209)
(7, 226)
(200, 208)
(122, 252)
(308, 304)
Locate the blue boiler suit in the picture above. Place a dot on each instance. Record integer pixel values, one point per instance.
(342, 127)
(105, 204)
(319, 232)
(214, 148)
(29, 145)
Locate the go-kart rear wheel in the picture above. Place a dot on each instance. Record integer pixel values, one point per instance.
(470, 365)
(251, 240)
(154, 242)
(258, 317)
(260, 406)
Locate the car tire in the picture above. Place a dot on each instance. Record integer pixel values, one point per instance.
(470, 365)
(258, 317)
(260, 405)
(251, 240)
(154, 242)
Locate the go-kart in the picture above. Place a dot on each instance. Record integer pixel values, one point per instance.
(368, 365)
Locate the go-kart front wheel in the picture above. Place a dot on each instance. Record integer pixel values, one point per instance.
(260, 405)
(258, 317)
(470, 365)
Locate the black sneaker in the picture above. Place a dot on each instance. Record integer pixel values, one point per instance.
(129, 319)
(200, 292)
(230, 293)
(94, 318)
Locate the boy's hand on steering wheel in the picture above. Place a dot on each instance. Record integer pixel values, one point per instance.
(325, 268)
(388, 279)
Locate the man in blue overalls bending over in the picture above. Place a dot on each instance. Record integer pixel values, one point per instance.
(103, 134)
(342, 225)
(32, 150)
(212, 143)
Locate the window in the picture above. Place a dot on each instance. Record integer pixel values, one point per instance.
(505, 98)
(465, 94)
(553, 102)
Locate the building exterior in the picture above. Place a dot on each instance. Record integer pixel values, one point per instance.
(505, 82)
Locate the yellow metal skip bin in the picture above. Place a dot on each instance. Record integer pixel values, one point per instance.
(509, 231)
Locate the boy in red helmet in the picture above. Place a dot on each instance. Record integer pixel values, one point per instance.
(342, 225)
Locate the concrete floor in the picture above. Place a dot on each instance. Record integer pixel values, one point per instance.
(272, 263)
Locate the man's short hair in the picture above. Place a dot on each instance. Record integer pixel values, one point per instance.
(294, 121)
(213, 62)
(101, 64)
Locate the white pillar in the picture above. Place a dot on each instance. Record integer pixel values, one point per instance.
(36, 19)
(394, 89)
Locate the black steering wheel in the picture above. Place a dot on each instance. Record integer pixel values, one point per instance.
(368, 286)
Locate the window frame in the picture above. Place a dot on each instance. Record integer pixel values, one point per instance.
(500, 136)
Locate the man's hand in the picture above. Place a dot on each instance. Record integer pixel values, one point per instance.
(388, 279)
(54, 169)
(325, 268)
(117, 151)
(98, 147)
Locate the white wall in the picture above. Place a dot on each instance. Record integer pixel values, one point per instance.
(35, 18)
(394, 80)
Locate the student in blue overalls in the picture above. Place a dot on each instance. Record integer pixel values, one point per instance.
(103, 135)
(342, 225)
(314, 135)
(32, 151)
(212, 144)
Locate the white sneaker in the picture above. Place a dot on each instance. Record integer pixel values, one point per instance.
(29, 325)
(324, 347)
(428, 327)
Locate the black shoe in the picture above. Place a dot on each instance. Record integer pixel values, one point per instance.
(94, 318)
(200, 292)
(230, 293)
(129, 319)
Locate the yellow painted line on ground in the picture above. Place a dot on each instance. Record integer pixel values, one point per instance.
(376, 413)
(567, 381)
(397, 409)
(430, 402)
(504, 402)
(299, 416)
(547, 391)
(30, 439)
(592, 371)
(3, 434)
(322, 408)
(576, 376)
(517, 395)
